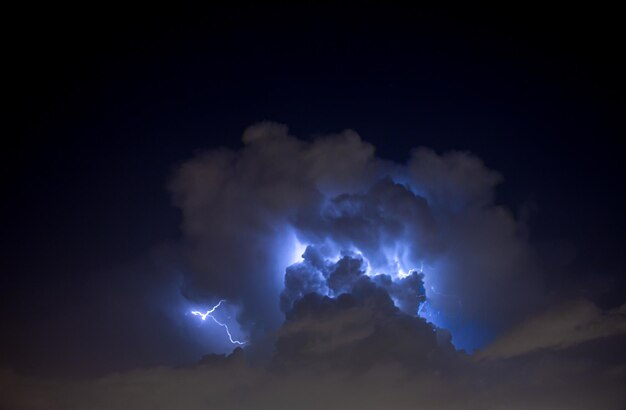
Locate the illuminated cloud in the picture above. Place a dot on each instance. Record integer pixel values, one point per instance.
(353, 281)
(248, 215)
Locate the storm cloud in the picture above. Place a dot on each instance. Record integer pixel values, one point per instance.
(428, 229)
(360, 283)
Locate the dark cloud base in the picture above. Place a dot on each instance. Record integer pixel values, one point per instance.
(350, 373)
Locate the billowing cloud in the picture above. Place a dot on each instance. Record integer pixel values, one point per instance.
(427, 230)
(356, 279)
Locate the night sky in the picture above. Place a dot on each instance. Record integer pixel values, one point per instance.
(398, 208)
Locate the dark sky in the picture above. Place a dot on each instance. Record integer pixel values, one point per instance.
(104, 105)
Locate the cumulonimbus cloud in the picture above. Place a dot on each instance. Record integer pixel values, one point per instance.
(249, 214)
(354, 267)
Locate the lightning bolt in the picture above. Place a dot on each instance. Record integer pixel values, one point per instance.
(208, 313)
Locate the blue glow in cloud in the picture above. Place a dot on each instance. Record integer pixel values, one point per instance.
(282, 217)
